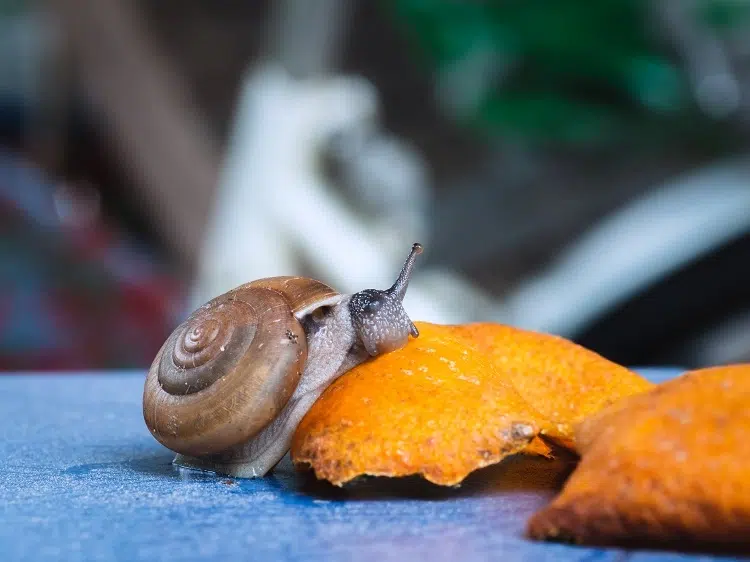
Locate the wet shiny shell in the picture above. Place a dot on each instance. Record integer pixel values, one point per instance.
(230, 368)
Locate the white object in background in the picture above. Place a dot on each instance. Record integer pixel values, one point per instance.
(663, 230)
(270, 194)
(276, 214)
(385, 179)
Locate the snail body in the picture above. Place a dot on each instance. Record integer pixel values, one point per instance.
(229, 386)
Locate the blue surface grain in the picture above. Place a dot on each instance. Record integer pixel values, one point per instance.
(82, 479)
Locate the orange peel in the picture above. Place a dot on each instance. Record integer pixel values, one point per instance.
(564, 381)
(456, 399)
(669, 467)
(434, 408)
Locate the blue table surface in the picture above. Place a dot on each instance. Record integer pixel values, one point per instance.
(81, 478)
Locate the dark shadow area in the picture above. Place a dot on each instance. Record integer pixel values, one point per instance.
(656, 326)
(518, 473)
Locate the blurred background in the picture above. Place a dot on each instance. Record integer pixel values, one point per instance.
(574, 167)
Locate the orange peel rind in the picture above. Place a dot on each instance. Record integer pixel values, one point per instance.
(434, 408)
(564, 381)
(454, 400)
(669, 467)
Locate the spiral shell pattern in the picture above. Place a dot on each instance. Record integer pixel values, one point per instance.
(213, 335)
(199, 341)
(231, 367)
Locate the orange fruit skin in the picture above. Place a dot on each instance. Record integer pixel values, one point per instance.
(454, 400)
(564, 381)
(669, 467)
(435, 408)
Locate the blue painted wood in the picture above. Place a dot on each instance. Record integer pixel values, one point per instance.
(82, 479)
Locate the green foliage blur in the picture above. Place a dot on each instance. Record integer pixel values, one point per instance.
(564, 71)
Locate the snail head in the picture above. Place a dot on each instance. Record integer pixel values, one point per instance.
(378, 316)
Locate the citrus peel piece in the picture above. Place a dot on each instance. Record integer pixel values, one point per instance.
(456, 399)
(562, 380)
(669, 467)
(434, 408)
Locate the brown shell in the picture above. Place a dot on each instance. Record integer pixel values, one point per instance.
(231, 367)
(302, 293)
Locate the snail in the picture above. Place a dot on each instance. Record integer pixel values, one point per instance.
(230, 385)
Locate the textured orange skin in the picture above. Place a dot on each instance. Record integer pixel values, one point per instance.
(434, 408)
(562, 380)
(447, 404)
(670, 467)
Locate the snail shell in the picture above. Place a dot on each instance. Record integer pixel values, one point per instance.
(230, 368)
